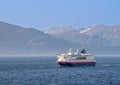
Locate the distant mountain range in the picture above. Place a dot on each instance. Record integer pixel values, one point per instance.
(99, 39)
(94, 35)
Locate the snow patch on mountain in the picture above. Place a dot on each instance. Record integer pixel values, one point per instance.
(85, 30)
(58, 30)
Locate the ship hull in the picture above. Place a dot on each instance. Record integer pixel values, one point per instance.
(76, 63)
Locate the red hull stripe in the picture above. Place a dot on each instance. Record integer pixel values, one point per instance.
(75, 63)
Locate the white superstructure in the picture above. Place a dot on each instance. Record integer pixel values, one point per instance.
(78, 58)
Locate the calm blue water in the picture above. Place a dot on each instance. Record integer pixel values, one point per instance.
(45, 71)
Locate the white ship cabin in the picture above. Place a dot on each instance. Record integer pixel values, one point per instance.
(81, 54)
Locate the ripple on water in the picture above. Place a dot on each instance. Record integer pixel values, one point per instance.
(46, 72)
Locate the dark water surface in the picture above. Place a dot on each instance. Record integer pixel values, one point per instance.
(45, 71)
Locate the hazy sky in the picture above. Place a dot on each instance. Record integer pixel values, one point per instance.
(45, 13)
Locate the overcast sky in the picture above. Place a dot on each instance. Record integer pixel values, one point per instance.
(42, 14)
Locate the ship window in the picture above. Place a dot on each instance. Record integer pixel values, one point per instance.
(81, 58)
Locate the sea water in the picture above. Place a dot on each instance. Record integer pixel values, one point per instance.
(45, 71)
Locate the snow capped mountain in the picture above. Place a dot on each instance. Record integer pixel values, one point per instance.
(93, 35)
(57, 30)
(99, 39)
(85, 30)
(110, 35)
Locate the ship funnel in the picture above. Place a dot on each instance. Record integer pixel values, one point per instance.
(83, 51)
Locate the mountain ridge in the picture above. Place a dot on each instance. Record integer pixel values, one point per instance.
(102, 33)
(17, 40)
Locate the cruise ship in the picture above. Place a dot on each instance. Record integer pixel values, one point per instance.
(75, 59)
